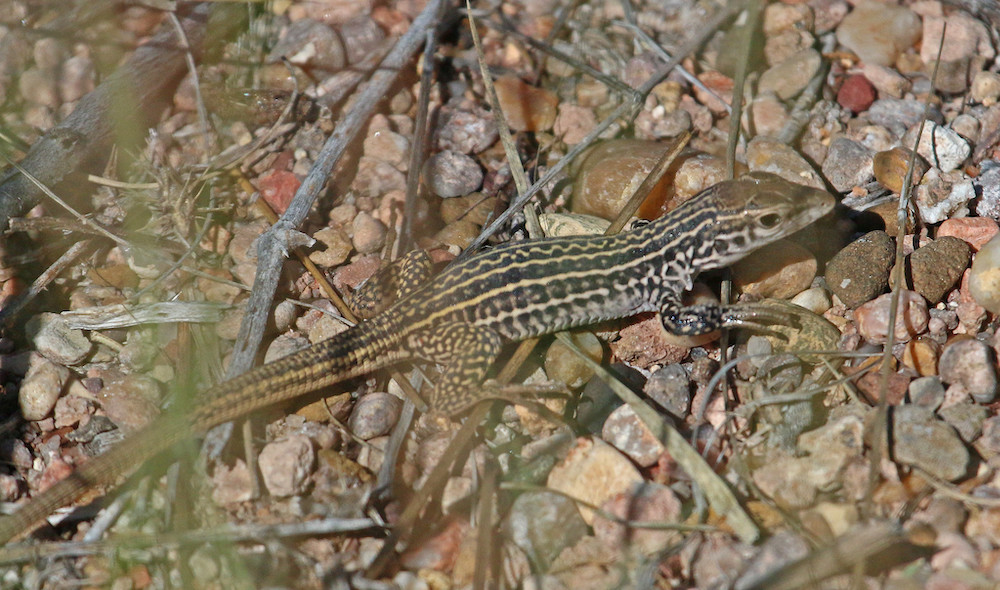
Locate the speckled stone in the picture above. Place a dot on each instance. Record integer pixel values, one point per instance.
(922, 440)
(937, 267)
(973, 365)
(860, 272)
(848, 164)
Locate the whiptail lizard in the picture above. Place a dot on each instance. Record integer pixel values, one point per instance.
(463, 317)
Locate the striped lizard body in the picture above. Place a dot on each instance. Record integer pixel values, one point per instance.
(464, 316)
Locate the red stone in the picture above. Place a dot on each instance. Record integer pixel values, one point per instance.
(277, 188)
(856, 94)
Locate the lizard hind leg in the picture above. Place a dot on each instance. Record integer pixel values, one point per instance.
(392, 282)
(467, 352)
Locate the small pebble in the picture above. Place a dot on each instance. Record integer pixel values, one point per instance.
(474, 207)
(860, 272)
(789, 77)
(646, 343)
(848, 164)
(873, 318)
(571, 224)
(375, 177)
(574, 122)
(779, 270)
(769, 155)
(54, 339)
(40, 87)
(526, 108)
(973, 365)
(542, 524)
(899, 115)
(921, 440)
(465, 131)
(76, 78)
(608, 169)
(886, 80)
(937, 199)
(974, 231)
(390, 147)
(595, 472)
(307, 42)
(458, 234)
(646, 502)
(670, 388)
(938, 266)
(563, 365)
(984, 280)
(879, 32)
(374, 415)
(987, 186)
(451, 174)
(890, 168)
(369, 234)
(966, 418)
(927, 392)
(41, 387)
(856, 94)
(985, 88)
(941, 146)
(332, 247)
(769, 115)
(967, 38)
(361, 36)
(625, 431)
(285, 465)
(921, 355)
(816, 300)
(966, 126)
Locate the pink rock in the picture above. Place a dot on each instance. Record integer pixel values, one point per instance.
(872, 318)
(974, 230)
(278, 188)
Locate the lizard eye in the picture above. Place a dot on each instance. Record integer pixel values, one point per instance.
(769, 221)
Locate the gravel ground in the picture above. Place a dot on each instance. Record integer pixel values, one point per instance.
(861, 443)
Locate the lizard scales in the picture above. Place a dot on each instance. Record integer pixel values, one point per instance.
(462, 318)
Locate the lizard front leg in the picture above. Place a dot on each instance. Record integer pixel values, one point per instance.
(692, 320)
(394, 281)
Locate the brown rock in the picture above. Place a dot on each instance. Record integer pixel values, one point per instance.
(526, 108)
(779, 270)
(607, 171)
(937, 267)
(860, 271)
(594, 472)
(890, 168)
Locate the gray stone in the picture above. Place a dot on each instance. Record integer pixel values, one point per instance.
(542, 524)
(54, 339)
(973, 365)
(923, 441)
(848, 164)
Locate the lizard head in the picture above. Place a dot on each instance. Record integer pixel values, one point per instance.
(757, 209)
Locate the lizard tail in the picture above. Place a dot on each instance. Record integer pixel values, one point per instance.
(345, 356)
